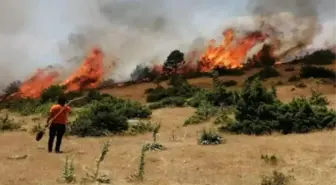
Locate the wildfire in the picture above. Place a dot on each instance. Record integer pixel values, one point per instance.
(89, 75)
(33, 87)
(231, 52)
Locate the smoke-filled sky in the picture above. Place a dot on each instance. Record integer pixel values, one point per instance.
(35, 33)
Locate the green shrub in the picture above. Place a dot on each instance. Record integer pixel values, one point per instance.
(140, 128)
(320, 57)
(199, 97)
(316, 72)
(107, 116)
(264, 73)
(159, 93)
(204, 112)
(209, 137)
(168, 102)
(27, 106)
(225, 117)
(259, 112)
(51, 93)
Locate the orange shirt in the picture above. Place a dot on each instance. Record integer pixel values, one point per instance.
(62, 118)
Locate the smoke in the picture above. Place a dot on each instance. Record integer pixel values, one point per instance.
(292, 25)
(133, 32)
(15, 15)
(139, 32)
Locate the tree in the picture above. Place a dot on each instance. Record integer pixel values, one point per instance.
(174, 60)
(13, 87)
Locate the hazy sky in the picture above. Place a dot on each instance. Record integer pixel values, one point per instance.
(31, 30)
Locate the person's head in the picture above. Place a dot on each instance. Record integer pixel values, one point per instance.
(61, 100)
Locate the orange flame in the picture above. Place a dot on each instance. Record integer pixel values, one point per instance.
(231, 53)
(33, 87)
(89, 75)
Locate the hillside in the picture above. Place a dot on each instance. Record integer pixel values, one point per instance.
(309, 158)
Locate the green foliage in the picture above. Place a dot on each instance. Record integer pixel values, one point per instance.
(7, 124)
(68, 172)
(140, 127)
(225, 117)
(204, 112)
(142, 72)
(107, 116)
(260, 112)
(27, 106)
(320, 57)
(174, 60)
(277, 178)
(52, 93)
(265, 73)
(183, 90)
(140, 175)
(168, 102)
(318, 99)
(316, 72)
(95, 175)
(209, 137)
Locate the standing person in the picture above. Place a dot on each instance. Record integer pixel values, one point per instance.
(58, 115)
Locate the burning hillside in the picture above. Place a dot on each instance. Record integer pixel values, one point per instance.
(236, 50)
(87, 76)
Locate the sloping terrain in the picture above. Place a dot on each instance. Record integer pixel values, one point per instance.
(309, 158)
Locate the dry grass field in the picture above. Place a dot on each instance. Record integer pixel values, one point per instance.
(309, 158)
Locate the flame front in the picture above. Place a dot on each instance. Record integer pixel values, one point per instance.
(231, 53)
(89, 75)
(33, 87)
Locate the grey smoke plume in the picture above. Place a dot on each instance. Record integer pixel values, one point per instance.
(15, 15)
(293, 25)
(141, 31)
(133, 32)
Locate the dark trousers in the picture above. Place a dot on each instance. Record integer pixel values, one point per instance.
(55, 130)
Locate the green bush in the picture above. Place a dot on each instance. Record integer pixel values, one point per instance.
(51, 93)
(260, 112)
(168, 102)
(209, 137)
(320, 57)
(27, 106)
(107, 116)
(316, 72)
(204, 112)
(159, 93)
(264, 73)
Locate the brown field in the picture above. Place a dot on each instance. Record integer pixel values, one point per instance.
(309, 158)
